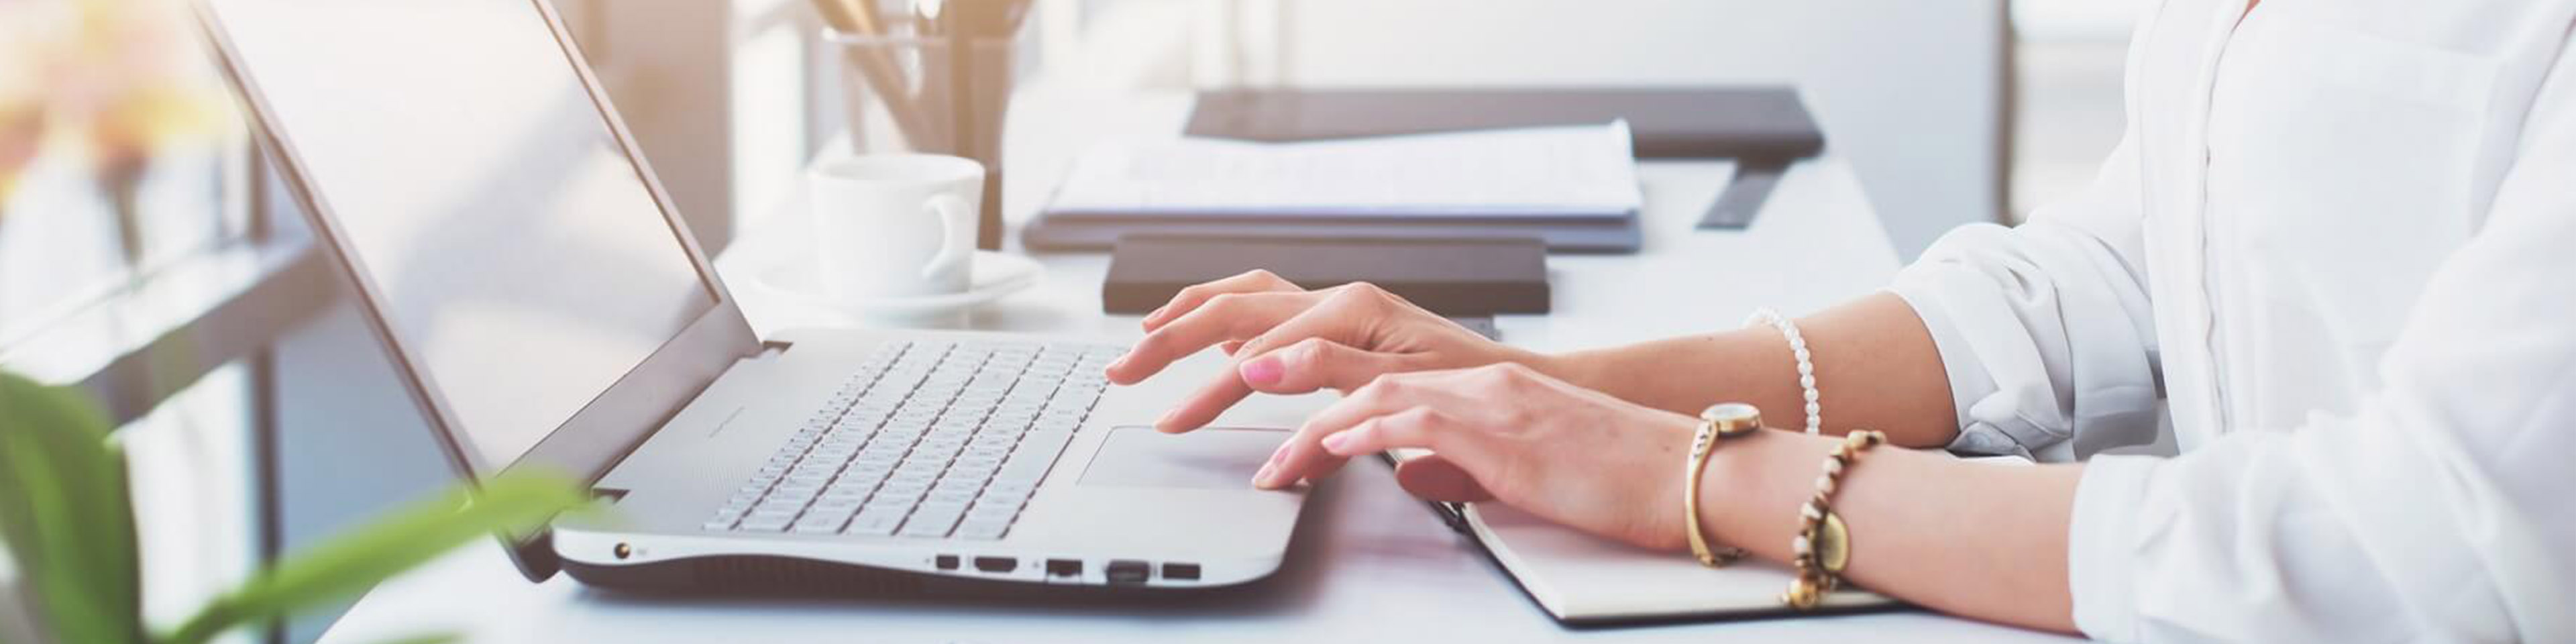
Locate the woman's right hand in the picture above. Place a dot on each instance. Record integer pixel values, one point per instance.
(1287, 340)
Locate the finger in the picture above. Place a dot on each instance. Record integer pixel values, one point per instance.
(1386, 396)
(1232, 347)
(1417, 428)
(1189, 299)
(1437, 478)
(1341, 314)
(1202, 407)
(1229, 316)
(1313, 459)
(1317, 363)
(1301, 368)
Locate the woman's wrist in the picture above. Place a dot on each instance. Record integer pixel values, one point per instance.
(1579, 368)
(1750, 493)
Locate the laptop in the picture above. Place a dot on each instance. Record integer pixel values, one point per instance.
(548, 308)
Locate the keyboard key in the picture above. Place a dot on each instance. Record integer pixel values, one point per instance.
(766, 521)
(983, 530)
(827, 523)
(1003, 490)
(877, 525)
(951, 495)
(1037, 452)
(933, 519)
(994, 509)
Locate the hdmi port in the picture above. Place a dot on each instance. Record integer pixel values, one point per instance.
(996, 564)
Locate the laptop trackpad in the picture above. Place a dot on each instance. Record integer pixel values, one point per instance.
(1212, 458)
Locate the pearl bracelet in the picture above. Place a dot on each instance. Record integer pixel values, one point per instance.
(1806, 367)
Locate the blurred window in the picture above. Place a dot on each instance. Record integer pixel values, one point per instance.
(120, 156)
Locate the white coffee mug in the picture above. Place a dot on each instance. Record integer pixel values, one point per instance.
(895, 225)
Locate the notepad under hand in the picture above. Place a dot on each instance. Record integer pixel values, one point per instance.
(1587, 580)
(1582, 172)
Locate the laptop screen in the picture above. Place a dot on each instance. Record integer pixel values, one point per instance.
(516, 253)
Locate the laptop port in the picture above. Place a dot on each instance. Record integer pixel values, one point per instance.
(1129, 571)
(1181, 571)
(945, 562)
(1064, 567)
(996, 564)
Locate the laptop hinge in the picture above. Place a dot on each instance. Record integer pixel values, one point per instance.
(772, 349)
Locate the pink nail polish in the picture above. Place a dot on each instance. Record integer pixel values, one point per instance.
(1263, 372)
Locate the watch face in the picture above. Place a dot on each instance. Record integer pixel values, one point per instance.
(1732, 417)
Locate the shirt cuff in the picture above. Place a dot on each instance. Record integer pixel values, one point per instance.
(2101, 545)
(1969, 381)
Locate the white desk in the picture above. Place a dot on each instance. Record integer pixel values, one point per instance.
(1369, 563)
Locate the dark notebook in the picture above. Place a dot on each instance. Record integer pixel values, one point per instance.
(1464, 277)
(1669, 123)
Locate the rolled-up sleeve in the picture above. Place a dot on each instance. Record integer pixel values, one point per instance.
(2045, 329)
(2436, 510)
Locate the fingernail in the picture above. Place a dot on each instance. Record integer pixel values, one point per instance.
(1262, 478)
(1263, 372)
(1334, 442)
(1164, 424)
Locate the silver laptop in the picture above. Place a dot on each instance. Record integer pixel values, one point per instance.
(549, 309)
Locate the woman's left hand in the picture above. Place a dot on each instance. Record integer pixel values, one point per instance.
(1509, 433)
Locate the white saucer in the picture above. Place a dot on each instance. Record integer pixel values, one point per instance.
(995, 274)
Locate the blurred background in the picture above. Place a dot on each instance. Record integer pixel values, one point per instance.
(147, 251)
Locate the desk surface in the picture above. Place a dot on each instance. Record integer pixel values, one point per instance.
(1368, 563)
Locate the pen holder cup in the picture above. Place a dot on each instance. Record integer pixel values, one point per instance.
(908, 93)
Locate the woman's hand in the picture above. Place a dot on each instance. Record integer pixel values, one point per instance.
(1509, 433)
(1288, 340)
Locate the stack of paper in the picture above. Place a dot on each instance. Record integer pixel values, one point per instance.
(1569, 172)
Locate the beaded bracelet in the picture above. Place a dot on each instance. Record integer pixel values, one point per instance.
(1823, 545)
(1806, 367)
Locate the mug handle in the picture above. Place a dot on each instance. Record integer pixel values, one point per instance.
(948, 208)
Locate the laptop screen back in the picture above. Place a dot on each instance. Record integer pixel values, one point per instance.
(516, 254)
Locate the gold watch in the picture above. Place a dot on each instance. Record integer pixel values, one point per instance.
(1717, 423)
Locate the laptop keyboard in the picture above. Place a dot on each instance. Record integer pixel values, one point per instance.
(927, 439)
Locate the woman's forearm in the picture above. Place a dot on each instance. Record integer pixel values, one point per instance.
(1976, 539)
(1876, 368)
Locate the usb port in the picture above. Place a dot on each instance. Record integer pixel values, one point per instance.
(945, 562)
(1129, 571)
(996, 564)
(1181, 571)
(1064, 567)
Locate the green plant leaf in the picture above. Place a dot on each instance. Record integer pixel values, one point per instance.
(441, 638)
(66, 513)
(352, 562)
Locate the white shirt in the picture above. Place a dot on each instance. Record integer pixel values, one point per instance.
(2338, 243)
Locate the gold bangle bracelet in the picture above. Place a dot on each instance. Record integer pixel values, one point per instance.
(1717, 423)
(1823, 546)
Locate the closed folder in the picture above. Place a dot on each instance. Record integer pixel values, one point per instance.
(1455, 277)
(1757, 122)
